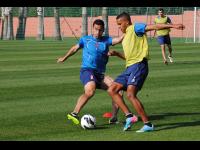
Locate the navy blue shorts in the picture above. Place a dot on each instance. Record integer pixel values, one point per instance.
(87, 75)
(134, 75)
(164, 40)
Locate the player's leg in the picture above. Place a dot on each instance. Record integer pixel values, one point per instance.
(117, 98)
(88, 79)
(161, 41)
(113, 91)
(89, 90)
(168, 42)
(135, 83)
(164, 54)
(115, 108)
(132, 96)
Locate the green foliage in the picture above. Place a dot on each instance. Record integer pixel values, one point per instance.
(96, 11)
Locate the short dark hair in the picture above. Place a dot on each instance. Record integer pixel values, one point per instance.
(124, 15)
(161, 9)
(99, 22)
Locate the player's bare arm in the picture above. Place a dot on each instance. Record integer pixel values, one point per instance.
(115, 53)
(117, 40)
(71, 52)
(164, 26)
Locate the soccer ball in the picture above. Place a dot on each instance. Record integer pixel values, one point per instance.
(88, 122)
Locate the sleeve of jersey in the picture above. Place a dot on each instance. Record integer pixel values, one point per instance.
(81, 43)
(110, 40)
(169, 20)
(140, 29)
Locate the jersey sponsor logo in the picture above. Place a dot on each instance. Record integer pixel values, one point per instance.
(99, 46)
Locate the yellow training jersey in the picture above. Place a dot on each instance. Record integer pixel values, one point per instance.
(135, 47)
(162, 20)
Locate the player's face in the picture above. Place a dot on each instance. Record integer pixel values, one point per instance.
(122, 24)
(160, 13)
(98, 31)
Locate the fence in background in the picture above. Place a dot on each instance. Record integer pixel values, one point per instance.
(71, 20)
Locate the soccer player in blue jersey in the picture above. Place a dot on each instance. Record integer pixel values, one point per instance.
(94, 59)
(136, 51)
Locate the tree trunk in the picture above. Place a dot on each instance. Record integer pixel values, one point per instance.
(22, 23)
(10, 35)
(2, 23)
(4, 11)
(5, 27)
(57, 24)
(84, 21)
(105, 19)
(40, 12)
(25, 17)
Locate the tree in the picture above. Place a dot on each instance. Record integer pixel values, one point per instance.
(84, 21)
(22, 23)
(10, 33)
(57, 24)
(105, 19)
(2, 22)
(7, 23)
(40, 13)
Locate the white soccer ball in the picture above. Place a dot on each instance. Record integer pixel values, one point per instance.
(88, 122)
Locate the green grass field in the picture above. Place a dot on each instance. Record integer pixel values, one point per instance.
(36, 93)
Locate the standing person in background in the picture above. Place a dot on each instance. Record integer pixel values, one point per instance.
(163, 36)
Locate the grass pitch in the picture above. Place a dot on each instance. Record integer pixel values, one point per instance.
(36, 93)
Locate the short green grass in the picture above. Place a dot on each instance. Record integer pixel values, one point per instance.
(36, 93)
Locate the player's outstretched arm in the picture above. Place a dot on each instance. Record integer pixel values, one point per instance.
(117, 40)
(71, 52)
(164, 26)
(115, 53)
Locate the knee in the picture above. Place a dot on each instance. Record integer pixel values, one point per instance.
(111, 90)
(89, 93)
(130, 96)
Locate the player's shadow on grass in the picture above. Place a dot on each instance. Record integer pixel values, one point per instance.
(188, 62)
(167, 126)
(100, 127)
(177, 125)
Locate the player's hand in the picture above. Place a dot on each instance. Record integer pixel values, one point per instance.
(180, 26)
(60, 60)
(111, 53)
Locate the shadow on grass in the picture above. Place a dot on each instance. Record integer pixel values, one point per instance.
(166, 126)
(100, 127)
(188, 62)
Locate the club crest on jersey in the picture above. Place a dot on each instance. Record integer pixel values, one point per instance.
(133, 80)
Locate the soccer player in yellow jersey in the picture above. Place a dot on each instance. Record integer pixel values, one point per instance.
(163, 36)
(136, 53)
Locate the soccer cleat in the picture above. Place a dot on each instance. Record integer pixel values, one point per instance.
(129, 122)
(146, 128)
(170, 59)
(113, 121)
(74, 118)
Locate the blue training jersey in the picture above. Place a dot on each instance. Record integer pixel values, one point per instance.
(95, 52)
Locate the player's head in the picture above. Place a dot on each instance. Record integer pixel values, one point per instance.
(98, 28)
(160, 11)
(123, 21)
